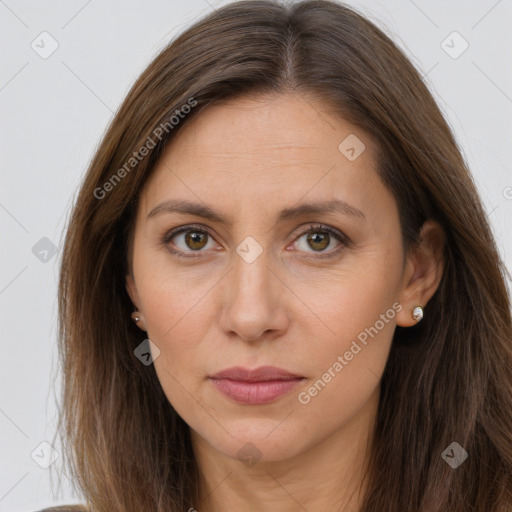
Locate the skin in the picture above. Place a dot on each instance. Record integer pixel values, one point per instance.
(250, 158)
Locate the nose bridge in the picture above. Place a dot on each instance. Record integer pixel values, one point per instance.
(251, 267)
(250, 306)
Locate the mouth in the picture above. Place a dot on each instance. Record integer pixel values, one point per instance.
(260, 386)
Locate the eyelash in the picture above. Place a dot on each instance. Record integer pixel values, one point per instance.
(320, 228)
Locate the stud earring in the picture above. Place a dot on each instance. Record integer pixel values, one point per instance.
(417, 313)
(135, 316)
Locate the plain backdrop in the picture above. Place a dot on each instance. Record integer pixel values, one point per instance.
(55, 108)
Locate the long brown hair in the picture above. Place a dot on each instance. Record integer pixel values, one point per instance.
(448, 379)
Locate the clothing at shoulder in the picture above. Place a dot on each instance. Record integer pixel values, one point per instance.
(65, 508)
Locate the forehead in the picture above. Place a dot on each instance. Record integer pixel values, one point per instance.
(266, 126)
(265, 148)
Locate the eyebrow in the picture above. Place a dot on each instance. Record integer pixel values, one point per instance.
(202, 210)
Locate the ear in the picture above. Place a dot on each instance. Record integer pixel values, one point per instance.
(422, 272)
(131, 288)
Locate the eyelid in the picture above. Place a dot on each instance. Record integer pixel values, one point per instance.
(312, 226)
(188, 227)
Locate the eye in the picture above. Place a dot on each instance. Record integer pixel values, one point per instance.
(317, 239)
(188, 239)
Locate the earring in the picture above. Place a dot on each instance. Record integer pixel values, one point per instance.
(135, 316)
(417, 313)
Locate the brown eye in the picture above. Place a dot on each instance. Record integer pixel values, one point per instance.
(186, 241)
(323, 240)
(196, 240)
(318, 241)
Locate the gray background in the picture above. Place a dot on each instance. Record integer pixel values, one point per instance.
(54, 111)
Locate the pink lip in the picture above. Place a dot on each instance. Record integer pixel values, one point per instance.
(259, 386)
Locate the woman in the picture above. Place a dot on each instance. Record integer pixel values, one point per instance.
(319, 318)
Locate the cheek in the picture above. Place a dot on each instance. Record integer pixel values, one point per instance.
(177, 320)
(357, 308)
(348, 366)
(179, 313)
(170, 299)
(343, 302)
(356, 316)
(358, 337)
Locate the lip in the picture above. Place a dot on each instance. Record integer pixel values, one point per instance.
(260, 374)
(262, 385)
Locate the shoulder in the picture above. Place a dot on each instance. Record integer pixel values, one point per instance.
(65, 508)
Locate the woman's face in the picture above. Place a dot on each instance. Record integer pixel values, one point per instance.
(243, 284)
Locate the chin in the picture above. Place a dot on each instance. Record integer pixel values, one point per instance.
(255, 440)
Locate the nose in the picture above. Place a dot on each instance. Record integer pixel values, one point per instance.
(253, 307)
